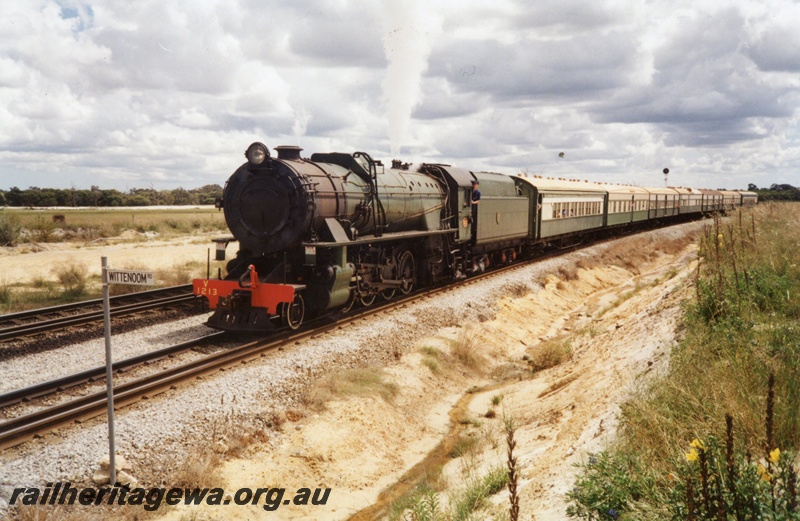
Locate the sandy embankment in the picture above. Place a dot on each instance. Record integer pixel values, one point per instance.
(620, 324)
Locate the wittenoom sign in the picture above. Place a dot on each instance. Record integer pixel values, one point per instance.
(142, 278)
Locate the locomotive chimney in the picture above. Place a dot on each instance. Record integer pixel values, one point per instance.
(396, 164)
(288, 152)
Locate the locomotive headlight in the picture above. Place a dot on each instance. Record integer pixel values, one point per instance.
(257, 153)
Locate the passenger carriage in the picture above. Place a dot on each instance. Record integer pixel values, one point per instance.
(663, 202)
(626, 204)
(564, 207)
(712, 200)
(731, 199)
(690, 200)
(749, 198)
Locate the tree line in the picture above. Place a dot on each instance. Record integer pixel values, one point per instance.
(40, 197)
(95, 196)
(776, 192)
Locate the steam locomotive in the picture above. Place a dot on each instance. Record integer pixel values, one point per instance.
(326, 233)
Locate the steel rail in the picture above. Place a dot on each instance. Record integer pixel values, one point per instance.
(99, 373)
(30, 313)
(17, 430)
(52, 324)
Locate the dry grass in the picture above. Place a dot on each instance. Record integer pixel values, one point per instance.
(568, 272)
(76, 285)
(179, 275)
(87, 513)
(463, 445)
(431, 357)
(199, 471)
(550, 353)
(90, 224)
(631, 253)
(465, 349)
(73, 278)
(360, 382)
(230, 436)
(516, 289)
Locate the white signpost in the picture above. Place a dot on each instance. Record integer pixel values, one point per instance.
(137, 277)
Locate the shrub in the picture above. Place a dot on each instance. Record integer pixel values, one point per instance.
(10, 229)
(42, 229)
(550, 353)
(609, 485)
(73, 279)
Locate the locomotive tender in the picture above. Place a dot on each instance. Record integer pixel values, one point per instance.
(325, 233)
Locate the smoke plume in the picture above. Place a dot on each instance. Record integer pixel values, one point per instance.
(407, 45)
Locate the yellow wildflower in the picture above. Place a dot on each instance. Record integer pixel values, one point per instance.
(691, 455)
(696, 444)
(762, 473)
(775, 455)
(766, 477)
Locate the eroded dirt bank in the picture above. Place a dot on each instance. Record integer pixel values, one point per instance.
(613, 314)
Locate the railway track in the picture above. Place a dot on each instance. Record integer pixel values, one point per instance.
(27, 323)
(99, 373)
(16, 431)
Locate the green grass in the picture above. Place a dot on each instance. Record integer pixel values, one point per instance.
(423, 502)
(741, 326)
(472, 497)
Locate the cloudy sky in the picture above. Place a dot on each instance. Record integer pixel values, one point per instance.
(165, 94)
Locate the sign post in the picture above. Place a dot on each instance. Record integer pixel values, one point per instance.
(115, 277)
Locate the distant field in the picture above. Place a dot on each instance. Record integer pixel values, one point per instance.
(48, 261)
(81, 224)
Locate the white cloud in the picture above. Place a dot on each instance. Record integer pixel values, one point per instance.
(125, 94)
